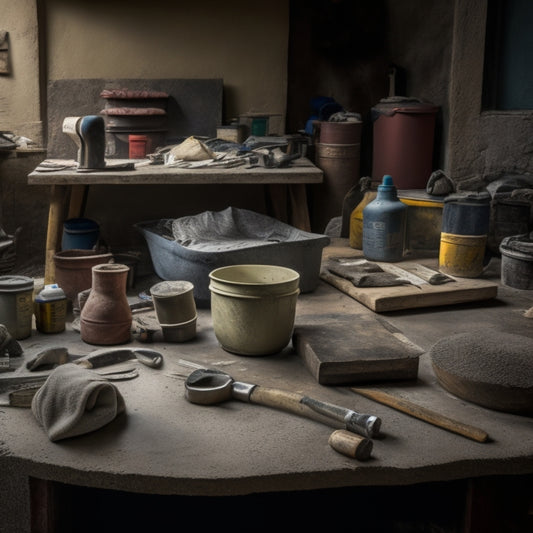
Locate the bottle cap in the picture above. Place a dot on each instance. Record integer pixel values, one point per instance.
(50, 293)
(386, 184)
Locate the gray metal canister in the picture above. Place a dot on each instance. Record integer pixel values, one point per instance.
(16, 305)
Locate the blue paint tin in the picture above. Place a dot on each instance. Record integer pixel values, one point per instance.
(466, 214)
(79, 234)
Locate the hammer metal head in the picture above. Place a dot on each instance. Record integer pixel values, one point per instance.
(208, 386)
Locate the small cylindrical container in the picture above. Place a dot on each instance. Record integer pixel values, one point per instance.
(50, 308)
(173, 301)
(137, 146)
(517, 261)
(464, 234)
(175, 309)
(463, 256)
(16, 305)
(466, 213)
(384, 223)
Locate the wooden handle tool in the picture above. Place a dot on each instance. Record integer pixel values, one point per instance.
(422, 413)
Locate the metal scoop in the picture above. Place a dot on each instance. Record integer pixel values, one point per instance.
(209, 386)
(59, 355)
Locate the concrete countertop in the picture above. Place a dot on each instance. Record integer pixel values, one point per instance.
(165, 445)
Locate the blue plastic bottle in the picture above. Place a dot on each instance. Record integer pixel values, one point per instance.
(384, 221)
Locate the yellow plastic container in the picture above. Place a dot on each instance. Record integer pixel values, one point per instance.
(462, 255)
(356, 220)
(424, 221)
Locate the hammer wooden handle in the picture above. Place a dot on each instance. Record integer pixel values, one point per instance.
(425, 414)
(366, 425)
(341, 440)
(291, 402)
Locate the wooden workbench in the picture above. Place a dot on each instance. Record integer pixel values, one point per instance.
(69, 190)
(167, 459)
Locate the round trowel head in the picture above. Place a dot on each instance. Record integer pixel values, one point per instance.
(490, 368)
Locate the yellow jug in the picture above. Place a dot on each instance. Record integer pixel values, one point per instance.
(356, 218)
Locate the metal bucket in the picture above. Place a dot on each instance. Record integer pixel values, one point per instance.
(340, 164)
(517, 262)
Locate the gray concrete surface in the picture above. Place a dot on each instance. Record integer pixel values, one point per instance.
(164, 445)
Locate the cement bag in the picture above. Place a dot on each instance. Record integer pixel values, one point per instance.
(191, 149)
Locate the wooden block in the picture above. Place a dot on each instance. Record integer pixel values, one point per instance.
(341, 349)
(384, 299)
(401, 297)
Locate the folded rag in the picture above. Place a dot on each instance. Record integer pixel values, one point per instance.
(365, 274)
(74, 401)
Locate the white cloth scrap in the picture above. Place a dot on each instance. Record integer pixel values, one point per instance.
(74, 401)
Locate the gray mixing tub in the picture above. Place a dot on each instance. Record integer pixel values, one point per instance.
(189, 248)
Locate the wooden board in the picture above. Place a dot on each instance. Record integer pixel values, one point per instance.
(384, 299)
(341, 349)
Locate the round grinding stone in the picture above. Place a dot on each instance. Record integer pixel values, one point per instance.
(490, 368)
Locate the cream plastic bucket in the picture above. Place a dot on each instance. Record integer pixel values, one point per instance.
(253, 307)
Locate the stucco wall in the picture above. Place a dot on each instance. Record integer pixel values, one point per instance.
(20, 110)
(243, 43)
(420, 43)
(482, 146)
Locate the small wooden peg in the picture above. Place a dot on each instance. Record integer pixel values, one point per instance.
(350, 444)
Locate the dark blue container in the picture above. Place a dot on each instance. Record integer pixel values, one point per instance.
(384, 222)
(79, 234)
(466, 214)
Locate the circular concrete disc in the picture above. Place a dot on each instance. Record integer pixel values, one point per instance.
(490, 368)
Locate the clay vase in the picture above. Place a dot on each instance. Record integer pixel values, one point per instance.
(106, 315)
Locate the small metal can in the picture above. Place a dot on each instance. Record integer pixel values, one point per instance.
(50, 308)
(16, 300)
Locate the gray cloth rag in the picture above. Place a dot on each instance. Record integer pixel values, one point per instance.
(74, 401)
(365, 274)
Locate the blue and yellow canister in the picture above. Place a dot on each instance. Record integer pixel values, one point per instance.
(465, 228)
(50, 308)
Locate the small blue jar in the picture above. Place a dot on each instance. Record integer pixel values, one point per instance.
(384, 223)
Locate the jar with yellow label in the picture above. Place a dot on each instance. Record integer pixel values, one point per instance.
(50, 308)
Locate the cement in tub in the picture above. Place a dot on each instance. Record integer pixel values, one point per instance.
(189, 248)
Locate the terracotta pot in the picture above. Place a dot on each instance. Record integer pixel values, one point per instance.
(106, 316)
(73, 270)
